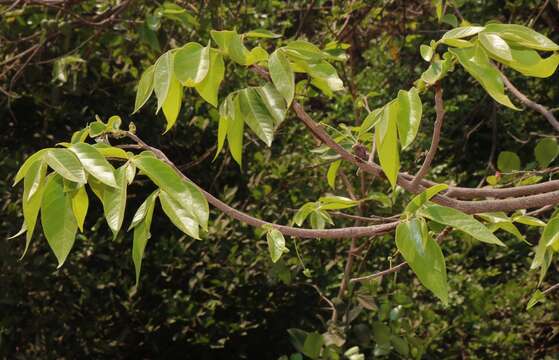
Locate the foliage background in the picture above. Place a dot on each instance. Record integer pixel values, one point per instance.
(222, 298)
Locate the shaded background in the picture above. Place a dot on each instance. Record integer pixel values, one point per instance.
(222, 298)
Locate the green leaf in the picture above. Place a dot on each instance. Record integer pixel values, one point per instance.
(261, 33)
(172, 105)
(437, 70)
(65, 163)
(550, 235)
(460, 221)
(142, 210)
(324, 73)
(508, 161)
(371, 120)
(424, 256)
(459, 43)
(142, 234)
(495, 45)
(184, 192)
(225, 110)
(476, 62)
(304, 50)
(192, 63)
(276, 244)
(304, 212)
(336, 203)
(463, 32)
(145, 88)
(111, 151)
(38, 156)
(94, 163)
(426, 52)
(313, 345)
(381, 333)
(282, 75)
(34, 179)
(235, 130)
(528, 220)
(232, 45)
(256, 115)
(536, 298)
(332, 172)
(409, 116)
(546, 151)
(57, 218)
(297, 338)
(273, 101)
(401, 345)
(387, 143)
(163, 73)
(450, 19)
(529, 63)
(209, 87)
(523, 36)
(114, 201)
(423, 197)
(178, 215)
(80, 204)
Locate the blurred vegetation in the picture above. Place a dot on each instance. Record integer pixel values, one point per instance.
(222, 297)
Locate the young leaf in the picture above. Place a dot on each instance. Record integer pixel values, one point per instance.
(387, 143)
(536, 298)
(224, 115)
(27, 164)
(145, 88)
(326, 74)
(409, 116)
(141, 212)
(94, 163)
(426, 52)
(304, 212)
(162, 76)
(372, 119)
(235, 131)
(142, 235)
(172, 105)
(276, 244)
(546, 151)
(528, 220)
(65, 163)
(80, 204)
(114, 201)
(232, 45)
(282, 75)
(336, 203)
(463, 32)
(256, 115)
(460, 221)
(529, 63)
(178, 215)
(184, 192)
(34, 178)
(423, 197)
(523, 36)
(209, 87)
(57, 218)
(261, 33)
(476, 62)
(508, 161)
(332, 172)
(424, 256)
(495, 45)
(550, 235)
(191, 64)
(438, 69)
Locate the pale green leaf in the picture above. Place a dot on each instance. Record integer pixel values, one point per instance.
(256, 115)
(224, 116)
(332, 172)
(191, 64)
(530, 63)
(141, 236)
(495, 45)
(420, 199)
(163, 73)
(80, 204)
(546, 151)
(172, 105)
(27, 164)
(209, 87)
(508, 161)
(528, 220)
(235, 130)
(460, 221)
(65, 163)
(371, 120)
(94, 163)
(336, 203)
(282, 75)
(262, 34)
(142, 210)
(387, 143)
(463, 32)
(313, 345)
(57, 218)
(178, 215)
(276, 244)
(145, 88)
(536, 298)
(273, 101)
(426, 52)
(302, 214)
(34, 179)
(424, 256)
(409, 116)
(114, 201)
(524, 36)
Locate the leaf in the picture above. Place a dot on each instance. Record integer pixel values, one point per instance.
(463, 32)
(304, 50)
(304, 212)
(114, 201)
(141, 212)
(162, 75)
(495, 45)
(172, 105)
(371, 120)
(529, 63)
(450, 19)
(313, 345)
(401, 345)
(80, 204)
(536, 298)
(426, 52)
(111, 152)
(409, 116)
(145, 88)
(276, 244)
(142, 235)
(424, 256)
(65, 163)
(381, 333)
(336, 203)
(191, 64)
(34, 179)
(508, 161)
(476, 62)
(224, 115)
(256, 115)
(57, 218)
(387, 143)
(282, 75)
(273, 101)
(178, 215)
(261, 33)
(297, 338)
(232, 45)
(460, 221)
(235, 130)
(209, 87)
(423, 197)
(546, 151)
(94, 163)
(437, 70)
(184, 192)
(550, 235)
(325, 73)
(528, 220)
(38, 156)
(332, 172)
(524, 36)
